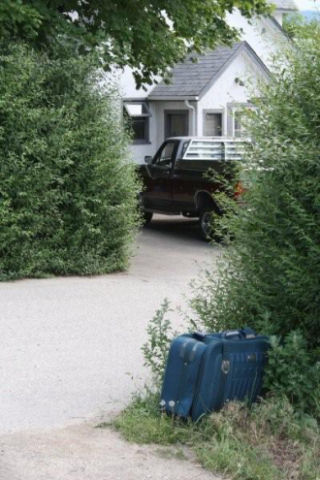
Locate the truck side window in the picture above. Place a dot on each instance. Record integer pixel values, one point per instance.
(184, 148)
(165, 156)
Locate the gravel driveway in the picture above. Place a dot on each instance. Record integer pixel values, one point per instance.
(70, 347)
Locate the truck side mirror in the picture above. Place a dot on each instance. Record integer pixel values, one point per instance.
(147, 159)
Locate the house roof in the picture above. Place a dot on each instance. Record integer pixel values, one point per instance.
(190, 78)
(279, 26)
(284, 4)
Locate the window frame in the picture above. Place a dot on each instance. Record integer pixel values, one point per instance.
(213, 111)
(184, 112)
(232, 108)
(145, 116)
(238, 132)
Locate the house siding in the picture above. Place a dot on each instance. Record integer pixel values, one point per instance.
(226, 90)
(262, 34)
(223, 94)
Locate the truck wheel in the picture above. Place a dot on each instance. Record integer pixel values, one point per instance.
(147, 217)
(205, 224)
(207, 229)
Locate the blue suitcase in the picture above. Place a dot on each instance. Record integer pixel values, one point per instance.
(204, 372)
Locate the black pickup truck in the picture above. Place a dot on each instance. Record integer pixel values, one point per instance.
(176, 179)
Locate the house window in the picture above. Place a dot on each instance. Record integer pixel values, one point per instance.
(212, 124)
(176, 123)
(138, 115)
(239, 127)
(239, 119)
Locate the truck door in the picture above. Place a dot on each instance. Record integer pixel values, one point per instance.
(158, 194)
(185, 181)
(191, 171)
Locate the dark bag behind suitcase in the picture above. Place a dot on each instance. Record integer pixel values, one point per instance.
(205, 371)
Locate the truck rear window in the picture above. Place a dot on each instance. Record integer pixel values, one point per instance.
(211, 149)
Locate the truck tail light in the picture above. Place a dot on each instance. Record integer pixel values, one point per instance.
(239, 190)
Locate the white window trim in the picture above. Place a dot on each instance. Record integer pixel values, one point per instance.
(145, 116)
(214, 110)
(234, 110)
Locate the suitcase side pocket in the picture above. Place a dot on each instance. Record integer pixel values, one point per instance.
(181, 376)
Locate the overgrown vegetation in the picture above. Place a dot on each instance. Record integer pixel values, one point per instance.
(294, 372)
(67, 192)
(297, 25)
(268, 442)
(162, 34)
(156, 348)
(270, 276)
(269, 280)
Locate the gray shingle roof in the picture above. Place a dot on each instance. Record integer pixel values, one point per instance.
(285, 4)
(189, 78)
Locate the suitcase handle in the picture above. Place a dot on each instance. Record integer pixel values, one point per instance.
(232, 334)
(241, 333)
(245, 332)
(199, 336)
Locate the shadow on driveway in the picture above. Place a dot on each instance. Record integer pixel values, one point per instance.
(176, 227)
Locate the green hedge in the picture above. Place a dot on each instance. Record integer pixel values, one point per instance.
(67, 192)
(270, 277)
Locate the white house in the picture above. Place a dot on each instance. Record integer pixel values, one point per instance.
(206, 98)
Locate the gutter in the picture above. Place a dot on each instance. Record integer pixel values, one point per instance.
(174, 98)
(194, 112)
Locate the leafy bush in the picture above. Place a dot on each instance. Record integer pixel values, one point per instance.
(67, 192)
(155, 350)
(270, 276)
(268, 280)
(293, 372)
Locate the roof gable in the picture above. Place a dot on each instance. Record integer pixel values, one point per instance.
(284, 4)
(192, 79)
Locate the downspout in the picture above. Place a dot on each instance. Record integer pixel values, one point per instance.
(194, 124)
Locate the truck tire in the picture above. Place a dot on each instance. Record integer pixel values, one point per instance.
(147, 217)
(207, 229)
(205, 224)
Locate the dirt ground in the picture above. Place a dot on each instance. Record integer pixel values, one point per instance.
(82, 452)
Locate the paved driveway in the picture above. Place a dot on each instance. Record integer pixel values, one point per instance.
(70, 347)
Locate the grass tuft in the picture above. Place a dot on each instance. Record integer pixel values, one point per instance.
(270, 441)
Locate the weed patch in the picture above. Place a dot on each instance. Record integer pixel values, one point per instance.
(269, 441)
